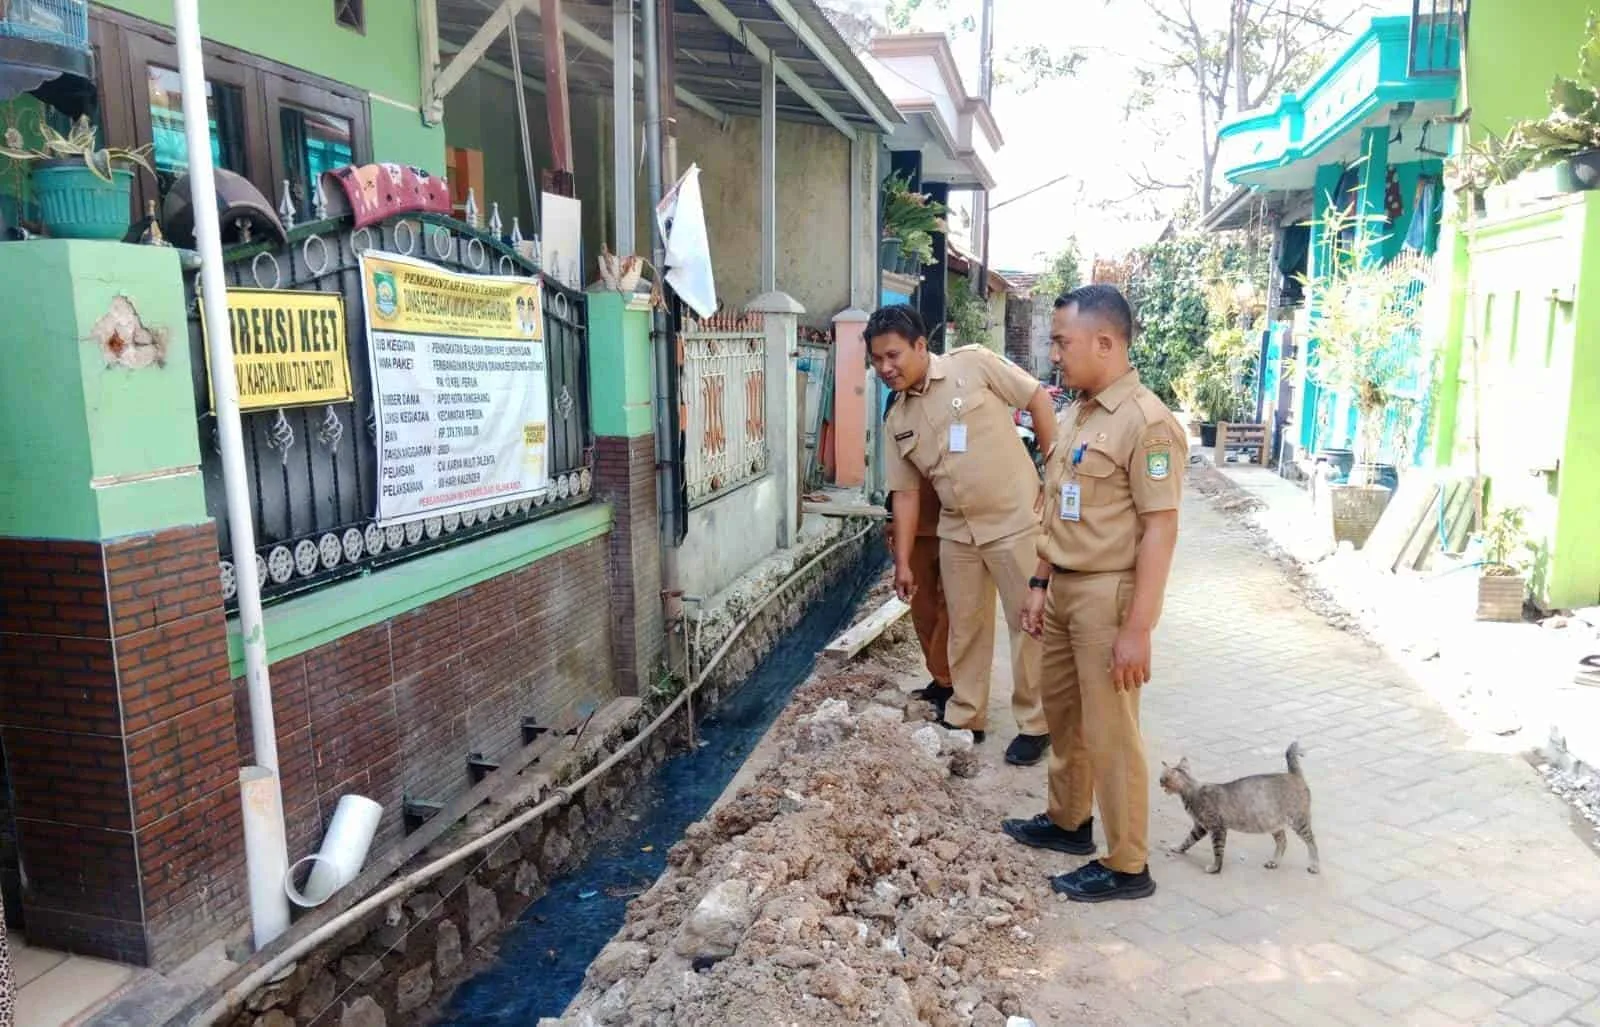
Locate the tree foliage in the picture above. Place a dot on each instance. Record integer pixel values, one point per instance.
(1065, 273)
(1021, 68)
(1222, 60)
(1184, 289)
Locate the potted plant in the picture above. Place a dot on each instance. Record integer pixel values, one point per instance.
(82, 189)
(1212, 387)
(908, 217)
(1568, 138)
(1366, 316)
(1502, 583)
(1482, 165)
(916, 251)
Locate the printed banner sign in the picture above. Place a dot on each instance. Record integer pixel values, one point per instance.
(459, 386)
(288, 348)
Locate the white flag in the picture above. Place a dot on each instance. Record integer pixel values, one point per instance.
(682, 219)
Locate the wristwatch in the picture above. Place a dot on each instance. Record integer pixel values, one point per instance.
(1039, 583)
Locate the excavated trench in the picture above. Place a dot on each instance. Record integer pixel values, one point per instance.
(542, 960)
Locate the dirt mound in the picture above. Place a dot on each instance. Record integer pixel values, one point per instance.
(856, 880)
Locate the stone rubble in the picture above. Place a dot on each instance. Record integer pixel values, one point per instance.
(858, 879)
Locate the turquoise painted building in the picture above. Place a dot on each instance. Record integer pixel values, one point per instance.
(1366, 136)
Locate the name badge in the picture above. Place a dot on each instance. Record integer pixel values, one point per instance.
(1071, 501)
(958, 438)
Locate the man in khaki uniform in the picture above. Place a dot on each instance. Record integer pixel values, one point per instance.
(952, 424)
(1110, 520)
(929, 615)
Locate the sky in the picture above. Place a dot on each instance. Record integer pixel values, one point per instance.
(1078, 127)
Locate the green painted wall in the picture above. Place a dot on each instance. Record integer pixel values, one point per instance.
(619, 365)
(385, 61)
(304, 623)
(91, 449)
(1514, 51)
(1527, 394)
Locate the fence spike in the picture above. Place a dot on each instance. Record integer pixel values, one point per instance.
(472, 209)
(286, 208)
(516, 231)
(319, 201)
(495, 224)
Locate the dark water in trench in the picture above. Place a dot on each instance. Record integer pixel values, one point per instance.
(543, 958)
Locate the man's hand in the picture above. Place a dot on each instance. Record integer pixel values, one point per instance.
(1033, 613)
(1130, 658)
(905, 585)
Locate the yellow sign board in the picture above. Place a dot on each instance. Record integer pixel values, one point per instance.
(412, 298)
(289, 348)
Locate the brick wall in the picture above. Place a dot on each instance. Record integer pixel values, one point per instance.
(122, 732)
(395, 709)
(1019, 331)
(116, 719)
(625, 476)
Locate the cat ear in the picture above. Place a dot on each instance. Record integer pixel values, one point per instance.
(1183, 764)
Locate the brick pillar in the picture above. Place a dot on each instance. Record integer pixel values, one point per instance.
(116, 711)
(1019, 332)
(620, 395)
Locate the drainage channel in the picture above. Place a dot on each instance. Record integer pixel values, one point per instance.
(543, 959)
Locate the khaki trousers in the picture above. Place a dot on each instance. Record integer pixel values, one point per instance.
(972, 574)
(1096, 751)
(929, 614)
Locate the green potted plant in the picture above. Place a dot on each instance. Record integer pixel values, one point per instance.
(1568, 138)
(916, 251)
(1211, 389)
(1502, 578)
(1366, 315)
(908, 217)
(82, 189)
(1484, 164)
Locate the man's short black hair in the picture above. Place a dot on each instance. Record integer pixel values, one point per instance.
(1105, 301)
(898, 318)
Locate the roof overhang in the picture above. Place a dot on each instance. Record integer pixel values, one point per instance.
(721, 47)
(955, 132)
(1370, 85)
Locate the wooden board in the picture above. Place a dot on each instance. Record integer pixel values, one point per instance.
(1424, 537)
(1398, 525)
(1458, 517)
(865, 633)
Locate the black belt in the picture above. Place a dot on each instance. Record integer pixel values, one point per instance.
(1064, 570)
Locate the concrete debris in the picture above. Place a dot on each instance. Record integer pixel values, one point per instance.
(857, 879)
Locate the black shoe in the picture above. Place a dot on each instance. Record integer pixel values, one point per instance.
(1026, 750)
(977, 736)
(1096, 882)
(935, 693)
(1042, 833)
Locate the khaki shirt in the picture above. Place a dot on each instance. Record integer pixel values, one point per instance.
(989, 490)
(1134, 454)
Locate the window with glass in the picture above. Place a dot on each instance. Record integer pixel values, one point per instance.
(224, 111)
(313, 142)
(268, 123)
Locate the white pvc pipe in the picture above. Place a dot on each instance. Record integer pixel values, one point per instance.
(235, 996)
(224, 387)
(344, 851)
(266, 839)
(265, 853)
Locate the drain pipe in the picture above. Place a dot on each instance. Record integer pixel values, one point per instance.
(668, 471)
(235, 996)
(266, 848)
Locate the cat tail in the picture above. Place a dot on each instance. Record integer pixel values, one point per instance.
(1292, 757)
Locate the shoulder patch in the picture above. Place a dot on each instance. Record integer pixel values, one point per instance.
(1158, 464)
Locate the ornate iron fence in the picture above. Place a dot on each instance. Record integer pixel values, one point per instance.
(724, 390)
(313, 471)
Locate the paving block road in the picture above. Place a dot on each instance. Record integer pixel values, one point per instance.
(1454, 889)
